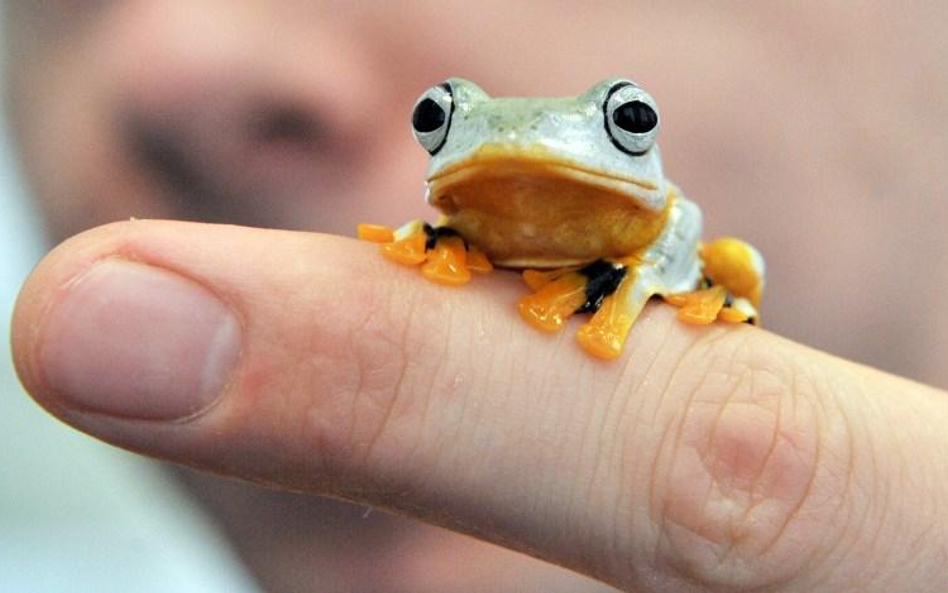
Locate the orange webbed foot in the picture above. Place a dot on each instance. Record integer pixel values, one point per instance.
(707, 305)
(447, 262)
(477, 261)
(604, 336)
(375, 233)
(604, 288)
(442, 254)
(700, 307)
(409, 246)
(556, 299)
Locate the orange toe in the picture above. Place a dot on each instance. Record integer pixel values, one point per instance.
(554, 303)
(447, 263)
(409, 251)
(702, 306)
(537, 279)
(732, 315)
(604, 336)
(375, 233)
(477, 262)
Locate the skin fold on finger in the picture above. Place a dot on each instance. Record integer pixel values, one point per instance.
(706, 457)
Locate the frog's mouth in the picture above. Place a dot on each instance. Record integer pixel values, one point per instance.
(525, 208)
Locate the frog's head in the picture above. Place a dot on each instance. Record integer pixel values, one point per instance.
(545, 165)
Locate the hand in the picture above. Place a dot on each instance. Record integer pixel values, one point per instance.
(705, 458)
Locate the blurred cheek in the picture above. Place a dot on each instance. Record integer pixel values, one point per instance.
(68, 145)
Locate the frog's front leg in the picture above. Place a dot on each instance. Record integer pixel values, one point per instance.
(443, 255)
(559, 294)
(604, 335)
(606, 288)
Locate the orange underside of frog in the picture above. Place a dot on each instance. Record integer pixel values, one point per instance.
(558, 280)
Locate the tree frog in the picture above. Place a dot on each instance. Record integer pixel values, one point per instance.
(569, 191)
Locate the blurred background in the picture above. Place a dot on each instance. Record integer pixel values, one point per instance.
(76, 515)
(817, 133)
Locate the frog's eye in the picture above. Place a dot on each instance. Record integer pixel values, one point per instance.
(431, 117)
(631, 118)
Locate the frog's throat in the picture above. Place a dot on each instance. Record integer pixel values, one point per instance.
(537, 162)
(540, 212)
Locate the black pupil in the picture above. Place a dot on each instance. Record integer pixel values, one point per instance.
(428, 116)
(635, 117)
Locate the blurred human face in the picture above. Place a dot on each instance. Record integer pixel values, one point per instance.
(817, 133)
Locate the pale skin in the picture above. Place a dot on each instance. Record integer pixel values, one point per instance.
(716, 458)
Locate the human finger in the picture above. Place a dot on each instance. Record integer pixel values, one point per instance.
(705, 457)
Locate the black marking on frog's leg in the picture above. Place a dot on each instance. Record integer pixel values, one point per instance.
(434, 233)
(604, 279)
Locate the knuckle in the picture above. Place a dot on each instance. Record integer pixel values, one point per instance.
(750, 469)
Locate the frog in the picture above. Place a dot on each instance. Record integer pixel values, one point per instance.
(569, 192)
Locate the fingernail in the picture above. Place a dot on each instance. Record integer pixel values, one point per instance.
(137, 341)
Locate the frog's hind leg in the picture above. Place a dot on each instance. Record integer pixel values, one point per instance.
(732, 286)
(443, 255)
(740, 269)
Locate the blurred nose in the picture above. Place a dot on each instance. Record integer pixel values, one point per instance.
(251, 104)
